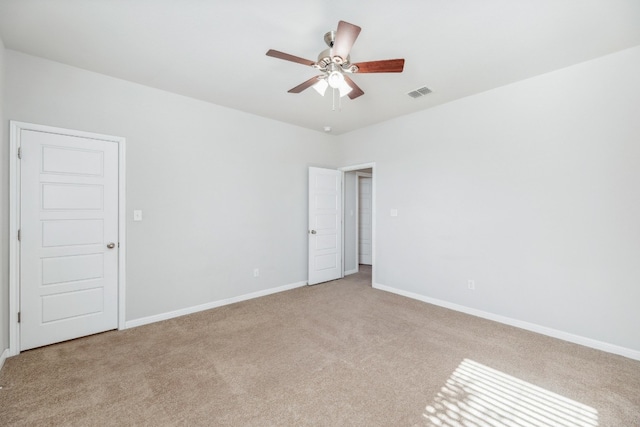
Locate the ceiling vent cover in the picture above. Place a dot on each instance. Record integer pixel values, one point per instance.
(419, 92)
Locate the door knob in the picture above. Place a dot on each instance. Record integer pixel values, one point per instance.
(312, 232)
(111, 245)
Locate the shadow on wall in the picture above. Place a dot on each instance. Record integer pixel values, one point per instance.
(476, 395)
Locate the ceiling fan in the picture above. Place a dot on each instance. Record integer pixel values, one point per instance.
(335, 63)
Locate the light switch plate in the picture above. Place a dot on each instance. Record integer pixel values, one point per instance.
(394, 212)
(137, 215)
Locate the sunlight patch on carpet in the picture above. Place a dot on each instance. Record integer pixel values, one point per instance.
(476, 395)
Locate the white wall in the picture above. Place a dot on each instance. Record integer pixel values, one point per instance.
(222, 192)
(4, 213)
(532, 190)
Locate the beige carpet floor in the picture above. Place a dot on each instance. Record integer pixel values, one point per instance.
(335, 354)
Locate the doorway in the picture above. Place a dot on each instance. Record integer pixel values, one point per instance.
(364, 212)
(359, 219)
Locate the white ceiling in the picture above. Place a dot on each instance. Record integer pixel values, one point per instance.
(214, 50)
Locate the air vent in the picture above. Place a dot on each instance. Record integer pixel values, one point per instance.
(419, 92)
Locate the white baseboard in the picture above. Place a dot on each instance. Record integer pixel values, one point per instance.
(3, 357)
(354, 271)
(190, 310)
(566, 336)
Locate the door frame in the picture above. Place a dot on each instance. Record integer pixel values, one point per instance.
(357, 167)
(14, 221)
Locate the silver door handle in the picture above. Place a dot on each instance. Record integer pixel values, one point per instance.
(111, 245)
(312, 232)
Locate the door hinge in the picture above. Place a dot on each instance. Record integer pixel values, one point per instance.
(19, 235)
(18, 317)
(20, 152)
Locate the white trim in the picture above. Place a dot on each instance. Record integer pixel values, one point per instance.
(122, 233)
(565, 336)
(354, 271)
(356, 245)
(14, 217)
(374, 176)
(3, 357)
(14, 252)
(358, 167)
(190, 310)
(343, 194)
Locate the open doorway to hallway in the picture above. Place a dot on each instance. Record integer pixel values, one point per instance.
(358, 222)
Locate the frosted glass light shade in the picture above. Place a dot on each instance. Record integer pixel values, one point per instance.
(335, 79)
(321, 86)
(344, 88)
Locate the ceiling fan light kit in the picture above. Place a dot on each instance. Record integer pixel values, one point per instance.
(335, 64)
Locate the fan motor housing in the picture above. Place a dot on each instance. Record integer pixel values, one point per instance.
(326, 57)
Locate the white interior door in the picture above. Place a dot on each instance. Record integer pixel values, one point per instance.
(69, 237)
(325, 225)
(364, 220)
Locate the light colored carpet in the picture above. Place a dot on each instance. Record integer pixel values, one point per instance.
(335, 354)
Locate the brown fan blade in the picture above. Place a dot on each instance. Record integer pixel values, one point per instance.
(287, 57)
(303, 86)
(385, 66)
(356, 91)
(346, 36)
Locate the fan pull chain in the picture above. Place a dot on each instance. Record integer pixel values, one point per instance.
(333, 93)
